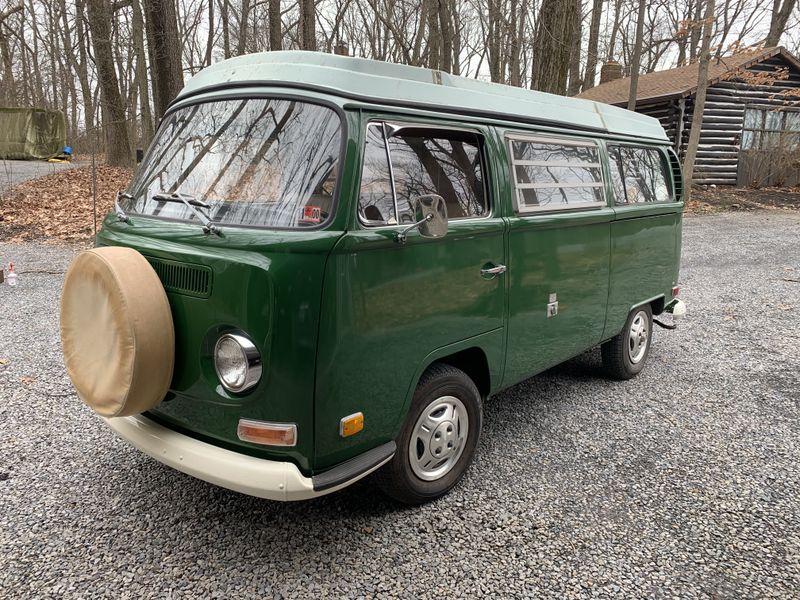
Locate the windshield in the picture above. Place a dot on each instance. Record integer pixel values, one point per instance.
(257, 161)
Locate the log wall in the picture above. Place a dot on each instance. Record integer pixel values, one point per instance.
(723, 118)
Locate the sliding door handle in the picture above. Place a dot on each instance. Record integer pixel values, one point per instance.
(491, 271)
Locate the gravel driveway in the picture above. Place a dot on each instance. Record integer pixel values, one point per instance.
(684, 482)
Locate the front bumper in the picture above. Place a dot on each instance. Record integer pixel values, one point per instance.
(274, 480)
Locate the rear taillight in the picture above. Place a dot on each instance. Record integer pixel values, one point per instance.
(675, 291)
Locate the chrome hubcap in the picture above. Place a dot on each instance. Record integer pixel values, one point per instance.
(638, 337)
(438, 438)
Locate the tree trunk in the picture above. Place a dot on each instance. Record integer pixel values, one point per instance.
(699, 101)
(575, 79)
(781, 11)
(446, 27)
(211, 31)
(241, 45)
(308, 29)
(551, 45)
(612, 39)
(594, 39)
(226, 30)
(636, 59)
(275, 32)
(696, 27)
(431, 9)
(164, 46)
(493, 42)
(117, 143)
(141, 72)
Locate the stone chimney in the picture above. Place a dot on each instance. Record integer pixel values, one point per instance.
(342, 49)
(610, 71)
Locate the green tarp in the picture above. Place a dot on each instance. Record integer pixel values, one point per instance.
(31, 133)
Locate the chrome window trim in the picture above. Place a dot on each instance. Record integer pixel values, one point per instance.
(379, 225)
(520, 207)
(665, 163)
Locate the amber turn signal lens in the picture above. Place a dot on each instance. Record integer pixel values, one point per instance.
(351, 424)
(267, 434)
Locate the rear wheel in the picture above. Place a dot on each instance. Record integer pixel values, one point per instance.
(438, 440)
(625, 355)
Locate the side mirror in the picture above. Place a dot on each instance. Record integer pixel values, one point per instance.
(431, 217)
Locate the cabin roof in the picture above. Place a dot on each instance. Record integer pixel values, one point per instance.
(384, 83)
(682, 81)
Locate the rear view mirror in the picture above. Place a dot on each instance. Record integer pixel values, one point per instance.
(430, 213)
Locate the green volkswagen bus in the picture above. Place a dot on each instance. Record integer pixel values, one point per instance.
(325, 265)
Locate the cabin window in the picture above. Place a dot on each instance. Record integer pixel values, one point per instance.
(556, 174)
(404, 163)
(771, 129)
(638, 175)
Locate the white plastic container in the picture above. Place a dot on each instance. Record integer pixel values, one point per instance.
(12, 275)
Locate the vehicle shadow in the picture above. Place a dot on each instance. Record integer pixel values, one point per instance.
(351, 516)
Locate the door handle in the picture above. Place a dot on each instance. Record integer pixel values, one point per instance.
(490, 272)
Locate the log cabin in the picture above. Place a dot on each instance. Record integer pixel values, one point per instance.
(751, 123)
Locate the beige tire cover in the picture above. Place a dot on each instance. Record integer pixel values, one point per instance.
(116, 331)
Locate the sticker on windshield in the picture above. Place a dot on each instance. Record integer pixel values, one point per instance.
(311, 214)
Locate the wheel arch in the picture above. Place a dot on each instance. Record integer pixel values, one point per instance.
(478, 357)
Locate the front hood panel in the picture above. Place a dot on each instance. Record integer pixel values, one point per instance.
(266, 284)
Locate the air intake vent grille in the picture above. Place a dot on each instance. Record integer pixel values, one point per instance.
(180, 278)
(677, 174)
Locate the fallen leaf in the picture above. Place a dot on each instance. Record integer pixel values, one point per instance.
(27, 380)
(3, 361)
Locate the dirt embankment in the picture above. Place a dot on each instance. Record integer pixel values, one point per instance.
(711, 200)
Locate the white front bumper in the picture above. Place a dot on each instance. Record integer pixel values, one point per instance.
(274, 480)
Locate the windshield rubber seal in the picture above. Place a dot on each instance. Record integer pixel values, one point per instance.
(179, 104)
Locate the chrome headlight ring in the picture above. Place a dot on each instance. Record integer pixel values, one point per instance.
(237, 362)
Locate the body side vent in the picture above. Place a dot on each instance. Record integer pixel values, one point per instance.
(677, 175)
(183, 278)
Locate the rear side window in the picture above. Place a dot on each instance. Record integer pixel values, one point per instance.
(400, 167)
(638, 175)
(552, 174)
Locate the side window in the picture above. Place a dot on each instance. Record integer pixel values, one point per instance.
(556, 174)
(638, 175)
(443, 163)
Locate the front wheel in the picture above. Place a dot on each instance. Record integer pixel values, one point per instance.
(625, 355)
(438, 440)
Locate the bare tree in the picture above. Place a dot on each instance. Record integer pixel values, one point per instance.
(163, 43)
(308, 30)
(637, 56)
(118, 149)
(591, 52)
(551, 45)
(700, 98)
(781, 11)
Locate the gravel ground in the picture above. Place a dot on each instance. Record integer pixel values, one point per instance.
(680, 483)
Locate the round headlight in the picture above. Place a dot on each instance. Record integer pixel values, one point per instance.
(237, 362)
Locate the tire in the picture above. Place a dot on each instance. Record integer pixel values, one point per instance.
(625, 355)
(446, 401)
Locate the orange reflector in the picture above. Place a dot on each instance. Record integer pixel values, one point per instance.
(351, 424)
(268, 434)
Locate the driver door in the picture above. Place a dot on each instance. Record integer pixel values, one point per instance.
(388, 304)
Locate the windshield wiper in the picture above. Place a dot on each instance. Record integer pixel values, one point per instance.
(191, 202)
(121, 216)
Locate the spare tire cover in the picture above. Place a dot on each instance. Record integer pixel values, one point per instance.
(116, 331)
